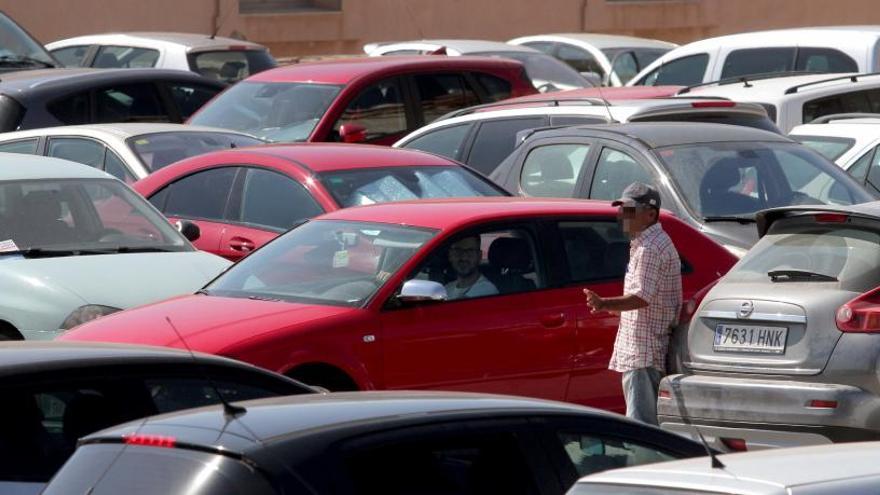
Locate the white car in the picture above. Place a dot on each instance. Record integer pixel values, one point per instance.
(849, 141)
(77, 244)
(483, 136)
(814, 49)
(840, 469)
(545, 72)
(608, 58)
(127, 151)
(227, 59)
(799, 99)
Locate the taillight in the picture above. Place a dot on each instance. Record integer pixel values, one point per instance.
(735, 444)
(713, 104)
(831, 217)
(861, 315)
(822, 404)
(150, 440)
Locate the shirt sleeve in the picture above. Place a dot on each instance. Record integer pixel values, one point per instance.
(645, 278)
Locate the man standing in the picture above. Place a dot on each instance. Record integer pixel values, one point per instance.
(464, 256)
(649, 305)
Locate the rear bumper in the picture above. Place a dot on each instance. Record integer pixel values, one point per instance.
(767, 413)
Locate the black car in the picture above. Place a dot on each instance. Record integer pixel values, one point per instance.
(52, 97)
(390, 443)
(53, 393)
(714, 176)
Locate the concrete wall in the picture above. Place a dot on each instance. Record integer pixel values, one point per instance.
(363, 21)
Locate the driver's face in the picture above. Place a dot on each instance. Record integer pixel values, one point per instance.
(464, 256)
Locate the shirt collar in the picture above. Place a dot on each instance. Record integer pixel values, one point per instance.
(647, 233)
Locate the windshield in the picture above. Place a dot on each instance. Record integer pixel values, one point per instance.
(329, 262)
(164, 148)
(801, 245)
(80, 216)
(368, 186)
(544, 69)
(829, 147)
(737, 179)
(17, 46)
(272, 111)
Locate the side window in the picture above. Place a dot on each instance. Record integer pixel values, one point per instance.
(273, 200)
(552, 171)
(495, 87)
(127, 57)
(873, 180)
(129, 103)
(752, 61)
(590, 453)
(496, 139)
(683, 71)
(114, 166)
(446, 141)
(594, 250)
(579, 59)
(564, 120)
(859, 168)
(544, 46)
(853, 102)
(440, 94)
(71, 56)
(201, 195)
(190, 97)
(472, 463)
(77, 150)
(485, 264)
(824, 60)
(71, 110)
(379, 108)
(26, 146)
(625, 66)
(614, 171)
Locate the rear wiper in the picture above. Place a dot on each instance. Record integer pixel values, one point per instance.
(731, 218)
(799, 276)
(22, 60)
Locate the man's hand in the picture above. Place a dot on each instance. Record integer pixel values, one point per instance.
(594, 301)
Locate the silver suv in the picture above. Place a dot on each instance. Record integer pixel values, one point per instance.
(784, 350)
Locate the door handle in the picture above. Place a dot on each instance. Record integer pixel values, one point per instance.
(241, 244)
(553, 320)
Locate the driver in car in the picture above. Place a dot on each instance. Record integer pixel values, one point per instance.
(464, 256)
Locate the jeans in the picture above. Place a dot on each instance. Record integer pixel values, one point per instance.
(640, 392)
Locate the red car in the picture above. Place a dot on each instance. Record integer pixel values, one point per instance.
(242, 198)
(369, 298)
(376, 99)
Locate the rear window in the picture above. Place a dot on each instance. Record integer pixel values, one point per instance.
(829, 147)
(231, 66)
(844, 251)
(110, 469)
(867, 101)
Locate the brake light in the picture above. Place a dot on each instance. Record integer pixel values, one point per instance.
(831, 217)
(823, 404)
(664, 394)
(713, 104)
(735, 444)
(150, 440)
(860, 315)
(237, 47)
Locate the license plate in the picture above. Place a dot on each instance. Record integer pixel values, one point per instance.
(747, 338)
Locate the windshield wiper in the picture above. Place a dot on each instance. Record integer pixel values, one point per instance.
(731, 218)
(799, 276)
(24, 61)
(39, 252)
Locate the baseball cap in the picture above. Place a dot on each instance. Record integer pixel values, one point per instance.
(638, 194)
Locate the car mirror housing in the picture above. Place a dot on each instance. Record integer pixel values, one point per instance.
(190, 230)
(415, 291)
(352, 133)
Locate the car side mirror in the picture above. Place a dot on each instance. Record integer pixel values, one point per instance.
(416, 291)
(593, 78)
(189, 230)
(352, 133)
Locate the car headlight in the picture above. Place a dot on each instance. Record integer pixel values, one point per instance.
(736, 250)
(87, 313)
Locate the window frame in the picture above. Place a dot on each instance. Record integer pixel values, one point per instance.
(48, 143)
(749, 53)
(601, 146)
(38, 145)
(158, 86)
(233, 192)
(88, 56)
(463, 146)
(416, 99)
(235, 202)
(586, 169)
(477, 126)
(643, 80)
(407, 97)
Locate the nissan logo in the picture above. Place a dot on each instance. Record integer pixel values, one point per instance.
(745, 309)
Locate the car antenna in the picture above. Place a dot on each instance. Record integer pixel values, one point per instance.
(676, 389)
(219, 24)
(229, 410)
(606, 105)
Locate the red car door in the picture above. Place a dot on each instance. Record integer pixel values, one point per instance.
(515, 341)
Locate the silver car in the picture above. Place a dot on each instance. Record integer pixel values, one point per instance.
(77, 244)
(784, 351)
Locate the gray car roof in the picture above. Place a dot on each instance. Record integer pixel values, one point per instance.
(62, 80)
(470, 47)
(660, 134)
(16, 166)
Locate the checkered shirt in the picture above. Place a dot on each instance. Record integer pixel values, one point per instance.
(654, 275)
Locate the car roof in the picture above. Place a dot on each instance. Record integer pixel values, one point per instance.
(863, 128)
(660, 134)
(50, 80)
(454, 212)
(343, 71)
(783, 85)
(279, 418)
(328, 157)
(609, 93)
(17, 166)
(601, 40)
(121, 130)
(187, 40)
(853, 35)
(461, 46)
(764, 471)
